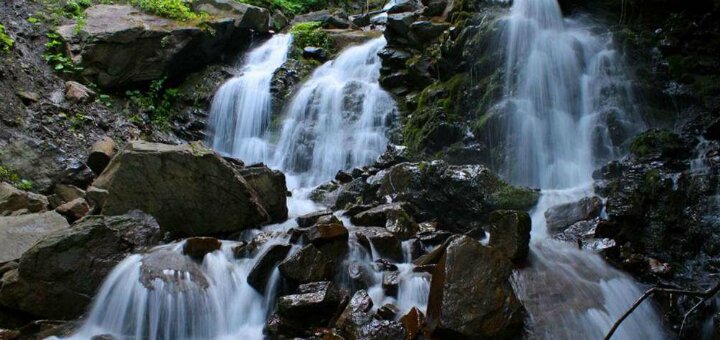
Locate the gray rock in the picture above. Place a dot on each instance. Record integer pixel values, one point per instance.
(245, 16)
(384, 242)
(307, 265)
(177, 272)
(13, 200)
(20, 233)
(315, 305)
(560, 217)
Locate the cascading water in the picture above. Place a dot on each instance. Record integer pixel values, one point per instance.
(241, 109)
(563, 85)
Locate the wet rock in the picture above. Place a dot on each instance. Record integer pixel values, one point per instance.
(307, 265)
(605, 246)
(344, 38)
(381, 240)
(405, 6)
(188, 188)
(321, 234)
(315, 305)
(278, 21)
(377, 216)
(16, 201)
(390, 282)
(400, 224)
(427, 31)
(315, 53)
(20, 233)
(100, 154)
(177, 272)
(510, 233)
(307, 220)
(269, 185)
(343, 177)
(381, 329)
(74, 210)
(388, 311)
(359, 191)
(398, 28)
(415, 325)
(360, 20)
(28, 97)
(434, 7)
(434, 256)
(278, 327)
(562, 216)
(60, 274)
(262, 270)
(470, 293)
(356, 314)
(79, 93)
(198, 247)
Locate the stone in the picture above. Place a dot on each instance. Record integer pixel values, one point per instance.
(20, 233)
(470, 294)
(386, 244)
(174, 270)
(262, 270)
(343, 177)
(307, 265)
(96, 196)
(74, 210)
(28, 97)
(344, 38)
(198, 247)
(59, 275)
(427, 31)
(435, 255)
(308, 220)
(67, 192)
(510, 233)
(562, 216)
(189, 189)
(100, 155)
(415, 325)
(78, 93)
(278, 21)
(360, 20)
(356, 314)
(321, 234)
(388, 311)
(434, 7)
(404, 6)
(398, 26)
(315, 53)
(244, 15)
(390, 282)
(377, 216)
(315, 305)
(16, 200)
(271, 190)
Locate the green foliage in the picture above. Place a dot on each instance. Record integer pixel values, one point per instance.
(6, 43)
(289, 6)
(156, 103)
(309, 34)
(55, 56)
(173, 9)
(7, 175)
(513, 198)
(657, 142)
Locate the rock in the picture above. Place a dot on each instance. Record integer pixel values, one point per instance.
(459, 198)
(74, 210)
(360, 20)
(390, 282)
(405, 6)
(9, 334)
(28, 97)
(336, 22)
(315, 53)
(78, 93)
(315, 305)
(67, 192)
(562, 216)
(100, 154)
(510, 233)
(400, 224)
(356, 314)
(388, 311)
(174, 270)
(307, 265)
(434, 256)
(471, 296)
(96, 196)
(188, 188)
(262, 270)
(60, 274)
(398, 28)
(278, 21)
(198, 247)
(16, 200)
(381, 240)
(377, 216)
(269, 185)
(326, 19)
(344, 38)
(395, 154)
(427, 31)
(35, 160)
(415, 325)
(120, 46)
(343, 177)
(245, 16)
(321, 234)
(434, 7)
(20, 233)
(307, 220)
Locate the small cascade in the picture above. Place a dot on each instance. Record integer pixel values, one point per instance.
(241, 109)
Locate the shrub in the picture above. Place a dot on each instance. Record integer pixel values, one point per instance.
(55, 56)
(309, 34)
(7, 175)
(289, 6)
(156, 102)
(173, 9)
(5, 42)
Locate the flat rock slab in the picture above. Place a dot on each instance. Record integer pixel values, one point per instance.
(19, 233)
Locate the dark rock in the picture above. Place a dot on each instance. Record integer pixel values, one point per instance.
(67, 193)
(269, 185)
(401, 224)
(307, 220)
(177, 272)
(470, 294)
(20, 233)
(263, 268)
(405, 6)
(198, 247)
(14, 201)
(315, 305)
(321, 234)
(59, 275)
(562, 216)
(427, 31)
(510, 233)
(377, 216)
(307, 265)
(396, 58)
(189, 189)
(385, 243)
(360, 20)
(415, 325)
(100, 155)
(343, 177)
(244, 15)
(390, 282)
(315, 53)
(388, 311)
(434, 256)
(356, 314)
(398, 28)
(434, 7)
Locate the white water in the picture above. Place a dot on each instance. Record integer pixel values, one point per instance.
(561, 78)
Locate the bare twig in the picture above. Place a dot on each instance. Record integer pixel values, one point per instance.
(705, 294)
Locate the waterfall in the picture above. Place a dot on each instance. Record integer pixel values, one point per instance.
(564, 84)
(241, 109)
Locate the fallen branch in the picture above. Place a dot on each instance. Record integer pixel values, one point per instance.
(705, 294)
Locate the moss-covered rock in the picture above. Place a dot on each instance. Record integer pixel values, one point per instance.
(658, 143)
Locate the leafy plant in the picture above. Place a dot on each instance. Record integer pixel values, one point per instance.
(7, 175)
(289, 6)
(5, 42)
(156, 102)
(55, 56)
(173, 9)
(309, 34)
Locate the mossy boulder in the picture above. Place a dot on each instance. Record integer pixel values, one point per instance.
(658, 143)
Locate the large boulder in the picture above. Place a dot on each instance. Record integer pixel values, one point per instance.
(14, 201)
(19, 233)
(307, 265)
(459, 198)
(244, 15)
(560, 217)
(59, 275)
(315, 304)
(470, 294)
(118, 45)
(190, 189)
(510, 233)
(268, 185)
(260, 274)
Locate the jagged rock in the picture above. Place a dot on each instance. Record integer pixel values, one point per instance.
(100, 154)
(60, 274)
(385, 243)
(321, 234)
(377, 216)
(190, 189)
(307, 220)
(415, 325)
(177, 272)
(74, 210)
(562, 216)
(390, 282)
(198, 247)
(315, 53)
(271, 190)
(510, 233)
(76, 92)
(427, 31)
(434, 256)
(307, 265)
(96, 196)
(315, 305)
(356, 314)
(20, 233)
(262, 270)
(326, 19)
(470, 294)
(459, 198)
(13, 200)
(398, 28)
(244, 15)
(119, 45)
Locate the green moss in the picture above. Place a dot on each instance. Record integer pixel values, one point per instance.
(513, 198)
(6, 43)
(9, 176)
(289, 6)
(310, 34)
(173, 9)
(657, 142)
